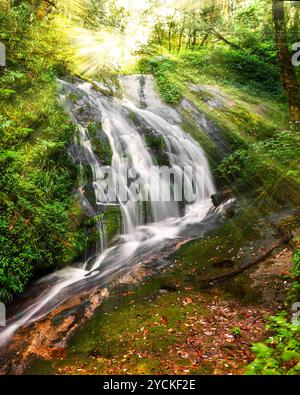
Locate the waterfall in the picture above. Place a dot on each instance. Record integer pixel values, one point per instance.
(143, 234)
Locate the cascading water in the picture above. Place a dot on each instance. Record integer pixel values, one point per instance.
(142, 234)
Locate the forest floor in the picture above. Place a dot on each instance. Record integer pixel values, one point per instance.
(169, 325)
(177, 333)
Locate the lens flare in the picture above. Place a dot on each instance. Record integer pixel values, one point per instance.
(109, 47)
(105, 46)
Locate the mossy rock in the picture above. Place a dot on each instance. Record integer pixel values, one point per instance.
(74, 97)
(102, 149)
(99, 142)
(112, 221)
(157, 146)
(134, 118)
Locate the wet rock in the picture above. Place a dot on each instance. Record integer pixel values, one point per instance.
(206, 125)
(58, 319)
(213, 96)
(167, 288)
(264, 284)
(222, 196)
(229, 208)
(162, 291)
(142, 92)
(210, 95)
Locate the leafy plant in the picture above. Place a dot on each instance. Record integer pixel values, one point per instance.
(280, 353)
(236, 331)
(163, 68)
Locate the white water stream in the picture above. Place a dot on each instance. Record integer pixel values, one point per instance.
(140, 237)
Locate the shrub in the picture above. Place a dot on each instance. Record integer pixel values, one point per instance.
(38, 232)
(162, 69)
(270, 163)
(236, 66)
(280, 353)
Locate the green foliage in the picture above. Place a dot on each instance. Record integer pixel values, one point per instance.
(236, 331)
(157, 146)
(6, 93)
(269, 163)
(38, 231)
(253, 27)
(285, 147)
(280, 353)
(112, 220)
(168, 90)
(103, 150)
(100, 143)
(36, 181)
(32, 41)
(162, 69)
(46, 154)
(155, 142)
(294, 293)
(236, 66)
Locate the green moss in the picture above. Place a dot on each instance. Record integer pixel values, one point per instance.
(157, 146)
(149, 327)
(93, 128)
(90, 232)
(112, 221)
(86, 173)
(74, 97)
(204, 369)
(40, 367)
(168, 89)
(164, 71)
(138, 328)
(189, 126)
(7, 94)
(102, 149)
(198, 257)
(193, 261)
(100, 143)
(134, 118)
(236, 331)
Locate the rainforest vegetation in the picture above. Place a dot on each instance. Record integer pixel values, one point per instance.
(237, 62)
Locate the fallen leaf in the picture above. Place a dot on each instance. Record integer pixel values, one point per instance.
(187, 300)
(164, 320)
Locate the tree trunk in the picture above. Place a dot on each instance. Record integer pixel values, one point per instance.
(181, 35)
(169, 40)
(284, 57)
(222, 38)
(188, 43)
(157, 31)
(194, 41)
(204, 39)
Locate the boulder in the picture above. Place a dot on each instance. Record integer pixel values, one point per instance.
(222, 196)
